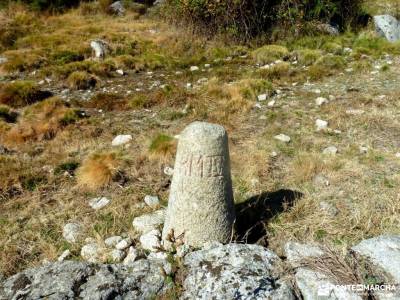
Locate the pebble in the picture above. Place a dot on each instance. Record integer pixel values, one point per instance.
(151, 240)
(194, 68)
(330, 150)
(117, 256)
(120, 72)
(271, 103)
(320, 101)
(131, 256)
(283, 138)
(64, 255)
(91, 252)
(321, 124)
(112, 241)
(146, 223)
(363, 149)
(398, 155)
(99, 203)
(207, 66)
(72, 232)
(262, 97)
(124, 244)
(168, 171)
(152, 201)
(121, 140)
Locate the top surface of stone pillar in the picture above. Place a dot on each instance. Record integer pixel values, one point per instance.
(200, 207)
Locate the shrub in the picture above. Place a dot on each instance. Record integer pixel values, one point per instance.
(248, 18)
(81, 80)
(21, 93)
(269, 53)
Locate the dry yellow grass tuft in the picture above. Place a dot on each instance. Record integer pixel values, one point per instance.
(98, 170)
(41, 121)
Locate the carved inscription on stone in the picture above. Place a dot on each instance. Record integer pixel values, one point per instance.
(202, 166)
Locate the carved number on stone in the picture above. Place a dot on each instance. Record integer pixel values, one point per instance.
(202, 166)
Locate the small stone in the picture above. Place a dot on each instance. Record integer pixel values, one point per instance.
(207, 66)
(397, 155)
(112, 241)
(117, 8)
(120, 72)
(117, 256)
(317, 91)
(3, 60)
(131, 256)
(321, 180)
(354, 112)
(274, 154)
(363, 149)
(271, 103)
(152, 201)
(332, 98)
(91, 253)
(124, 244)
(262, 97)
(295, 252)
(121, 140)
(189, 85)
(257, 105)
(151, 240)
(182, 250)
(64, 255)
(332, 150)
(321, 124)
(283, 138)
(194, 68)
(146, 223)
(168, 171)
(99, 203)
(328, 208)
(320, 101)
(72, 232)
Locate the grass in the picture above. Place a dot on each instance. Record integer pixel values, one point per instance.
(269, 53)
(21, 93)
(81, 80)
(59, 160)
(98, 171)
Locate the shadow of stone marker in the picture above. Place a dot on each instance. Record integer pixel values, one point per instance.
(200, 207)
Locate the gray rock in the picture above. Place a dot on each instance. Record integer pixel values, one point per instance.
(124, 244)
(120, 140)
(149, 222)
(329, 29)
(200, 206)
(331, 150)
(151, 240)
(283, 138)
(328, 208)
(112, 241)
(99, 203)
(384, 252)
(295, 252)
(76, 280)
(117, 8)
(92, 252)
(64, 255)
(315, 285)
(72, 232)
(117, 256)
(152, 201)
(388, 27)
(131, 256)
(3, 60)
(100, 48)
(234, 271)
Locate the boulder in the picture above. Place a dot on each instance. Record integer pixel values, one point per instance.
(234, 271)
(100, 48)
(384, 252)
(76, 280)
(388, 27)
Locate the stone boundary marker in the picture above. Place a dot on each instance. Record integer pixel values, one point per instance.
(200, 207)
